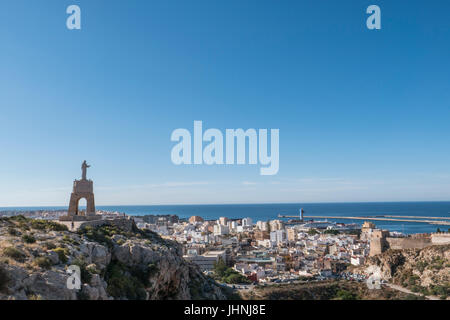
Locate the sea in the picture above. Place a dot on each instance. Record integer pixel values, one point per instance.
(270, 211)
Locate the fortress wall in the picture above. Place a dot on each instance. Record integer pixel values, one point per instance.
(409, 243)
(380, 243)
(440, 238)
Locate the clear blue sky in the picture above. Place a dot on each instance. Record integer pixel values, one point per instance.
(363, 115)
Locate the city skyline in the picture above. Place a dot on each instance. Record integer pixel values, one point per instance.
(362, 114)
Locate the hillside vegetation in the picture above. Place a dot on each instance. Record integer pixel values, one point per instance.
(115, 262)
(324, 290)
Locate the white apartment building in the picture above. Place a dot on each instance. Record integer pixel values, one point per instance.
(278, 236)
(264, 243)
(276, 225)
(262, 225)
(357, 260)
(220, 230)
(207, 260)
(247, 222)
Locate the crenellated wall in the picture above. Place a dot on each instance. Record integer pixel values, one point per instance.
(440, 238)
(379, 242)
(408, 243)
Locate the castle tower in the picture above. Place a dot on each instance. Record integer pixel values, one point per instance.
(378, 242)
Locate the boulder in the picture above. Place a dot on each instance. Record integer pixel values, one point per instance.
(53, 256)
(100, 256)
(89, 292)
(50, 285)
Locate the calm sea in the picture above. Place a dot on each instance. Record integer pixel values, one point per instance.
(270, 211)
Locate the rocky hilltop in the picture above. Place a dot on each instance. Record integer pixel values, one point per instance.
(425, 271)
(117, 261)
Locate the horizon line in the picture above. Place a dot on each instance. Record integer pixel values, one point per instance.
(236, 203)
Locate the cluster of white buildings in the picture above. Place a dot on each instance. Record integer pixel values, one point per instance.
(265, 250)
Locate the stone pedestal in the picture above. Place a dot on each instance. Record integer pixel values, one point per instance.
(81, 189)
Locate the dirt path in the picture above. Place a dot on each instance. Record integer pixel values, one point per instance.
(398, 288)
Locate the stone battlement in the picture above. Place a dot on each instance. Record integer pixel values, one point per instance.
(440, 238)
(380, 242)
(409, 243)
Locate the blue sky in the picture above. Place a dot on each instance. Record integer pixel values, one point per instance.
(363, 115)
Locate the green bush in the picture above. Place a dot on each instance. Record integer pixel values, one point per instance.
(440, 290)
(47, 225)
(43, 262)
(354, 232)
(28, 238)
(100, 235)
(412, 280)
(49, 245)
(438, 265)
(24, 226)
(103, 234)
(345, 295)
(14, 253)
(38, 224)
(421, 265)
(415, 288)
(68, 239)
(220, 268)
(124, 283)
(235, 278)
(19, 218)
(331, 231)
(92, 270)
(54, 226)
(62, 254)
(228, 275)
(13, 232)
(424, 291)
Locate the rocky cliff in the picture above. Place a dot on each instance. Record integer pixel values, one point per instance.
(425, 271)
(116, 262)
